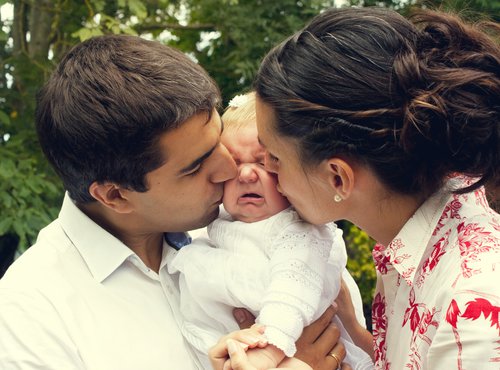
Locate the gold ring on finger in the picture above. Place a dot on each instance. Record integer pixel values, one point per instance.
(336, 359)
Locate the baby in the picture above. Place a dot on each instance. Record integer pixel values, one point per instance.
(261, 256)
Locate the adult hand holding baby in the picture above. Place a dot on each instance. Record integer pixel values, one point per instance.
(314, 348)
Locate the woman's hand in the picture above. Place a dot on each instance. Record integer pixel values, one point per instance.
(345, 311)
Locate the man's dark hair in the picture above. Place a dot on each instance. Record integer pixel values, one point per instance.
(101, 114)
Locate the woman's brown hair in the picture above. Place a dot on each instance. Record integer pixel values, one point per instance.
(416, 100)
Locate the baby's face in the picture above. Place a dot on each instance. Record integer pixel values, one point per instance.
(252, 195)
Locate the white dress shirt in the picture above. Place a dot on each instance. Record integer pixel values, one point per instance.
(81, 299)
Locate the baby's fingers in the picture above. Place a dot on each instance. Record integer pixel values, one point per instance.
(247, 338)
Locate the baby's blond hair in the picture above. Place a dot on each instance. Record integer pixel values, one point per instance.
(240, 111)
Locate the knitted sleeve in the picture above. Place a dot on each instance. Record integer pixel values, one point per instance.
(298, 260)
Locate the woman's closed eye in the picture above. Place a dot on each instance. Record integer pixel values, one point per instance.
(272, 158)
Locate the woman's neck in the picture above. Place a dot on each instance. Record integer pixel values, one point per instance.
(387, 218)
(379, 212)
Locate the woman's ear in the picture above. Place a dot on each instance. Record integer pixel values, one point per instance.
(111, 196)
(341, 177)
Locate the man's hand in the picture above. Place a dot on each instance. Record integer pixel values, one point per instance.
(243, 317)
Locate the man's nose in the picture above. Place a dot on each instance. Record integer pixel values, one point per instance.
(225, 166)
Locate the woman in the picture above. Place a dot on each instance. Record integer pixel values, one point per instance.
(394, 126)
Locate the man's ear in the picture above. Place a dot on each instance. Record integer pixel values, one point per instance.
(341, 177)
(110, 195)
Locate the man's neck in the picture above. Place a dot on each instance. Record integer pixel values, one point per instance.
(147, 246)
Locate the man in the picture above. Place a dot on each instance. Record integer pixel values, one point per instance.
(132, 129)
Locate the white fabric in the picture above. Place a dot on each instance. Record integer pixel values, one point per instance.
(437, 302)
(80, 299)
(284, 270)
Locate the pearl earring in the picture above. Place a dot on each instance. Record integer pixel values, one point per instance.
(337, 198)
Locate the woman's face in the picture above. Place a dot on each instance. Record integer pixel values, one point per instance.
(306, 188)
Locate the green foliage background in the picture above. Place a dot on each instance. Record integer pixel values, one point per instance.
(227, 37)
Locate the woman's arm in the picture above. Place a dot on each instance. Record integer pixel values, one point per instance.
(345, 311)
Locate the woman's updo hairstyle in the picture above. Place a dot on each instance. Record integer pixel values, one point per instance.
(416, 101)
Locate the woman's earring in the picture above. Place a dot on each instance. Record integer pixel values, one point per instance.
(337, 198)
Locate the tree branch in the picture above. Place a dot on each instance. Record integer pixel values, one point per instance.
(41, 16)
(18, 27)
(142, 28)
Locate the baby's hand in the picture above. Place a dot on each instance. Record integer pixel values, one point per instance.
(246, 338)
(265, 358)
(238, 360)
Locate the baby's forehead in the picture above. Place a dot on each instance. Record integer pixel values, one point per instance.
(239, 125)
(243, 145)
(240, 134)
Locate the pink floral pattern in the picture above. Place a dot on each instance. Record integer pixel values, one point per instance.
(438, 250)
(451, 211)
(385, 257)
(479, 308)
(474, 240)
(379, 317)
(449, 283)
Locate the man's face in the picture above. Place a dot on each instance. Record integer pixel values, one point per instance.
(252, 195)
(186, 191)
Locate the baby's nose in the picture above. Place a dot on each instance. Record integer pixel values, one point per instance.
(247, 173)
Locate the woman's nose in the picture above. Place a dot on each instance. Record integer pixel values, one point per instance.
(247, 173)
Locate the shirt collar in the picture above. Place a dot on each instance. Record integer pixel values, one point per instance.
(102, 252)
(406, 250)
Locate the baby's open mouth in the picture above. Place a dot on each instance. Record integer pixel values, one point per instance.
(251, 195)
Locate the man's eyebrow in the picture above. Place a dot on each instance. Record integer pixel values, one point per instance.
(197, 161)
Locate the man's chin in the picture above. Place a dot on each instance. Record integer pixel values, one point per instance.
(206, 219)
(213, 215)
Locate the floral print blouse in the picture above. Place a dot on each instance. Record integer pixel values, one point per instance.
(437, 301)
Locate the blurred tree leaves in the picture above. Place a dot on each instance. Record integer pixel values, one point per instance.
(227, 37)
